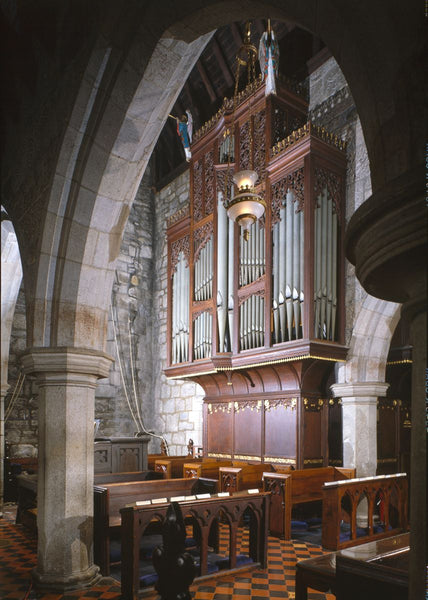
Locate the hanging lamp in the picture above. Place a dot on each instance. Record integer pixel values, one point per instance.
(245, 207)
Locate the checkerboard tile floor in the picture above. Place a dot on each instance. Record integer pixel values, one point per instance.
(18, 557)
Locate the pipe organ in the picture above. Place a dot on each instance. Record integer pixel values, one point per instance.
(242, 313)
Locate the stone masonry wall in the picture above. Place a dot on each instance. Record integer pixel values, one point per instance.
(178, 402)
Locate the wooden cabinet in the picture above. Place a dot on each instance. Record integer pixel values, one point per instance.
(114, 455)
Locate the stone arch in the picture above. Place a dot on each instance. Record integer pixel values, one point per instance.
(11, 277)
(371, 337)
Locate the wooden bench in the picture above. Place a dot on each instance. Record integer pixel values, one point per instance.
(386, 497)
(205, 512)
(172, 466)
(111, 497)
(319, 572)
(297, 487)
(101, 478)
(208, 468)
(237, 478)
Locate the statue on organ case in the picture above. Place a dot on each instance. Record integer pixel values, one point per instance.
(185, 130)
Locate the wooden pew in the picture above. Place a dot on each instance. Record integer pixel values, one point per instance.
(26, 513)
(100, 478)
(172, 466)
(297, 487)
(111, 497)
(343, 497)
(208, 468)
(152, 458)
(237, 478)
(135, 520)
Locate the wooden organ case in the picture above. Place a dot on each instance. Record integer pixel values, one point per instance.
(259, 324)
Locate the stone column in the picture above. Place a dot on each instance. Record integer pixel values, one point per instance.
(66, 378)
(359, 418)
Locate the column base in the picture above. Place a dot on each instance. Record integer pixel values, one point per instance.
(46, 582)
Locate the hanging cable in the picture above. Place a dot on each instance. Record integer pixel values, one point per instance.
(121, 370)
(134, 386)
(16, 391)
(136, 416)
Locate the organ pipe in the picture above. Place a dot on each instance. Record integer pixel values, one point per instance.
(325, 273)
(180, 313)
(288, 271)
(222, 272)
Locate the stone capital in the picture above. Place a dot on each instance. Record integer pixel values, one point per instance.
(363, 391)
(69, 365)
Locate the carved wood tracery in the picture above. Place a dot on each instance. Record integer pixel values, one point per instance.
(209, 182)
(259, 144)
(200, 238)
(325, 179)
(294, 182)
(197, 191)
(244, 146)
(180, 245)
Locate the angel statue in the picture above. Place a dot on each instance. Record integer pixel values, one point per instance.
(184, 130)
(269, 59)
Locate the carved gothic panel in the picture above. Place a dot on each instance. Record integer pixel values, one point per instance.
(197, 191)
(259, 144)
(201, 237)
(181, 245)
(293, 181)
(244, 146)
(209, 183)
(327, 179)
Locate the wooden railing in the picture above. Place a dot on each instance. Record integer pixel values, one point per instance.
(379, 502)
(205, 512)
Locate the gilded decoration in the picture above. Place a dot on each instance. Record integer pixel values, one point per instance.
(209, 182)
(313, 461)
(197, 191)
(280, 461)
(388, 404)
(294, 182)
(178, 216)
(220, 408)
(302, 132)
(325, 179)
(180, 245)
(218, 455)
(248, 405)
(278, 402)
(246, 457)
(313, 404)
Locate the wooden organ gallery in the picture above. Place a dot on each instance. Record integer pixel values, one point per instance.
(259, 322)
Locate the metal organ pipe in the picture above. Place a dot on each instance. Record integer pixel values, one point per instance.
(289, 263)
(325, 275)
(180, 311)
(222, 271)
(230, 280)
(288, 271)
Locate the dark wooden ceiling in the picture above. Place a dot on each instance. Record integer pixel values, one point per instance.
(213, 77)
